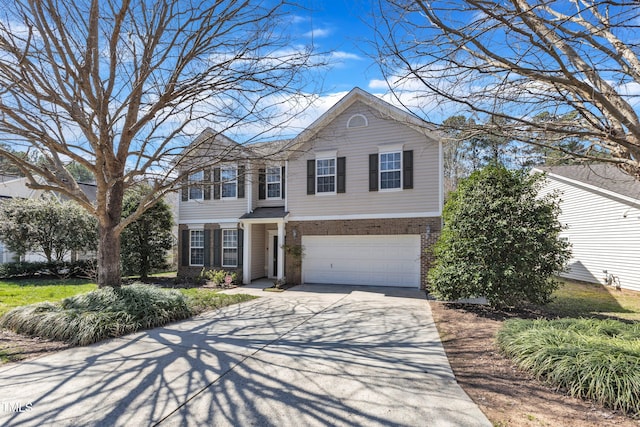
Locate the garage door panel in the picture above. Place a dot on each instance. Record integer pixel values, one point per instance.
(362, 260)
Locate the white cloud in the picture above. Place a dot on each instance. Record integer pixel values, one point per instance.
(342, 56)
(318, 33)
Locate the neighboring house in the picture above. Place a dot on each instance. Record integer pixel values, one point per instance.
(16, 187)
(601, 210)
(359, 193)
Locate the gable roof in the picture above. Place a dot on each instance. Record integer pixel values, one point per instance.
(356, 94)
(603, 176)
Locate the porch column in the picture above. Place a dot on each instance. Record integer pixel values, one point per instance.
(246, 255)
(280, 250)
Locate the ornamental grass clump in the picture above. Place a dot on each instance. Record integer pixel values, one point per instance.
(104, 313)
(588, 358)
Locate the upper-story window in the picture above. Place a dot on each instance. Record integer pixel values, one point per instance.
(196, 189)
(390, 170)
(274, 182)
(326, 175)
(229, 181)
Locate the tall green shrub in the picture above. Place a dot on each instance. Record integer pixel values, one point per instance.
(500, 240)
(144, 242)
(48, 226)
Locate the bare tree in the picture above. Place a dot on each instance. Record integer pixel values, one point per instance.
(577, 61)
(121, 87)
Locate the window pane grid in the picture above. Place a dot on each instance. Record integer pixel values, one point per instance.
(229, 182)
(273, 182)
(390, 170)
(326, 175)
(196, 191)
(197, 247)
(229, 248)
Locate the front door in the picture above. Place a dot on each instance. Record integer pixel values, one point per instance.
(272, 239)
(275, 256)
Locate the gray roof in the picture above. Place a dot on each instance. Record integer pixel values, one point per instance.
(266, 213)
(603, 175)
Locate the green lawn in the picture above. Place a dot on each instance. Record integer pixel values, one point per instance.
(574, 299)
(15, 293)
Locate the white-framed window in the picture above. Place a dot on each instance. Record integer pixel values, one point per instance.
(274, 182)
(196, 247)
(391, 170)
(229, 248)
(196, 189)
(326, 175)
(229, 180)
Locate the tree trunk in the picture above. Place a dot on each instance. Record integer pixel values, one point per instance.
(109, 256)
(109, 272)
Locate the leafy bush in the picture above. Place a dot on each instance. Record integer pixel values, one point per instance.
(500, 240)
(217, 276)
(112, 312)
(82, 268)
(104, 313)
(588, 358)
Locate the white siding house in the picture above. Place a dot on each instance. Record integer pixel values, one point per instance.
(601, 210)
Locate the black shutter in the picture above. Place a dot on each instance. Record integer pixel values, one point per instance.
(185, 189)
(207, 248)
(240, 181)
(407, 169)
(282, 173)
(342, 185)
(373, 172)
(216, 183)
(185, 248)
(207, 184)
(240, 246)
(262, 184)
(311, 176)
(217, 248)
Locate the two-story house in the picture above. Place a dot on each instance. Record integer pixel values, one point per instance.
(356, 198)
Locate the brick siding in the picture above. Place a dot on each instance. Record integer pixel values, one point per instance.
(293, 270)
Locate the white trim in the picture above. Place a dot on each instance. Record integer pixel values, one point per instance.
(390, 148)
(247, 235)
(191, 247)
(364, 216)
(264, 220)
(196, 226)
(366, 121)
(326, 154)
(266, 182)
(191, 222)
(228, 224)
(248, 178)
(286, 185)
(380, 171)
(229, 247)
(440, 176)
(335, 175)
(588, 186)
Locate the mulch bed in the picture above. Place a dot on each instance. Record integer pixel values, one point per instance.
(508, 396)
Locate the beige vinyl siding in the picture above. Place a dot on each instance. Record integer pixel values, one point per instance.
(604, 232)
(356, 144)
(258, 251)
(208, 211)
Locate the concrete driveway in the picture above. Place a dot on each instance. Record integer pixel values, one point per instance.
(311, 356)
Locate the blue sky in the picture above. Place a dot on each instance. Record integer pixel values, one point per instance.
(337, 26)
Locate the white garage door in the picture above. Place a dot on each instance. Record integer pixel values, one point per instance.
(362, 260)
